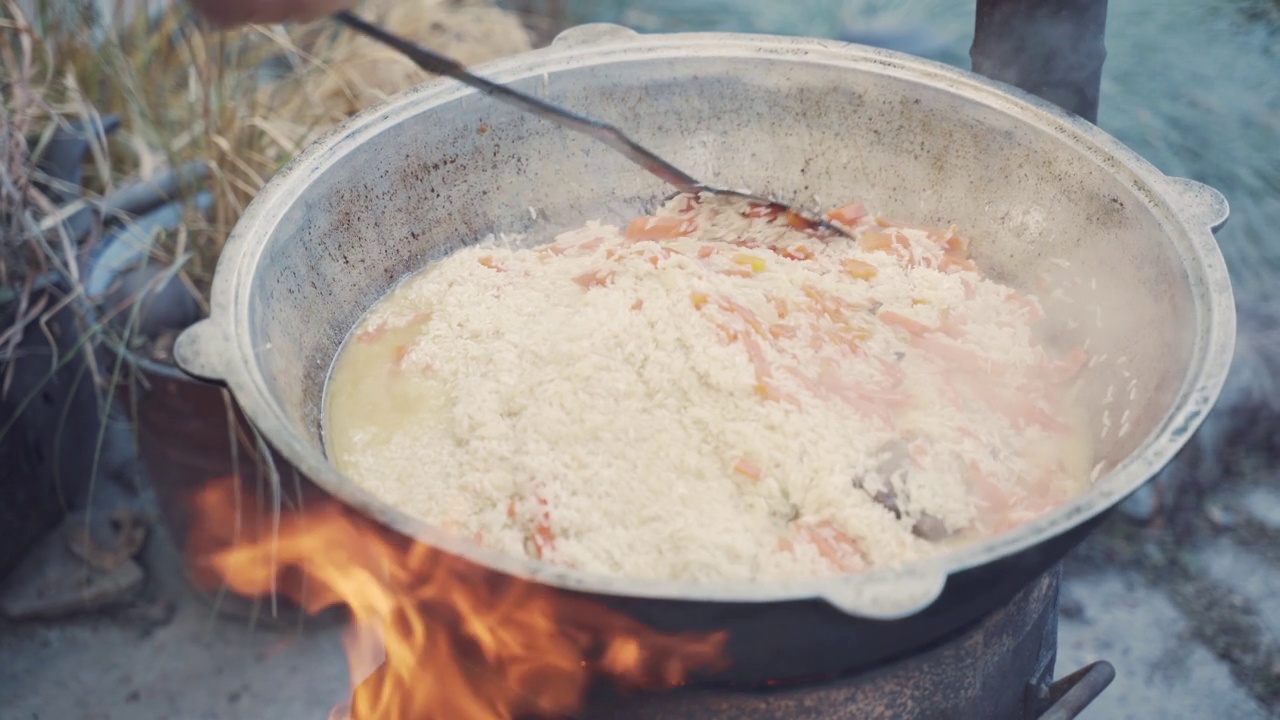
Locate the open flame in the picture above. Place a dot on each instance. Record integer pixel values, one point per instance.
(432, 636)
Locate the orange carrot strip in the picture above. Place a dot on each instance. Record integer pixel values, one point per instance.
(755, 210)
(872, 241)
(543, 536)
(594, 278)
(836, 546)
(849, 214)
(779, 331)
(756, 353)
(795, 252)
(796, 221)
(995, 501)
(748, 469)
(956, 245)
(956, 263)
(859, 269)
(1070, 365)
(956, 356)
(743, 312)
(658, 228)
(543, 539)
(730, 335)
(899, 320)
(398, 356)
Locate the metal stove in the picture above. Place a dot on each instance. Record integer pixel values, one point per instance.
(1001, 668)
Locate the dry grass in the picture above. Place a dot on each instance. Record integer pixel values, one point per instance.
(244, 102)
(18, 261)
(31, 250)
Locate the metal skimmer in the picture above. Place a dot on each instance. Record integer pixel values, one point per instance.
(440, 65)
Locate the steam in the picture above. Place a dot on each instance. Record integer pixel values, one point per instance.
(1244, 426)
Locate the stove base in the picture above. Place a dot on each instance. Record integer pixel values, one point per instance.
(1000, 669)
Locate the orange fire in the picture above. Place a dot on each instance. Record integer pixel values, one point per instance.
(433, 637)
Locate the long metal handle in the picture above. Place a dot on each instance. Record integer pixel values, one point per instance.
(440, 65)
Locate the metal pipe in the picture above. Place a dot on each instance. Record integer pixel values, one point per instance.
(1073, 694)
(1051, 48)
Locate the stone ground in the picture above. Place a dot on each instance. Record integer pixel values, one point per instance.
(1188, 612)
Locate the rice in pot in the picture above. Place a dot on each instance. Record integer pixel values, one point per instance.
(710, 394)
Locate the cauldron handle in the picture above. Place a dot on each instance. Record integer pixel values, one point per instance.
(1198, 203)
(196, 353)
(887, 595)
(591, 34)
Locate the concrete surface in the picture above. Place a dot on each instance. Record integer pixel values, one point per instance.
(190, 669)
(1187, 610)
(166, 656)
(1161, 672)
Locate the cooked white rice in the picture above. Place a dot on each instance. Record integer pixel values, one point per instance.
(714, 405)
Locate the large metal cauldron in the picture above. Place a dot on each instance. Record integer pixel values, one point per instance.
(1046, 197)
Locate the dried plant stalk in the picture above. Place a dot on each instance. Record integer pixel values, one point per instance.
(242, 101)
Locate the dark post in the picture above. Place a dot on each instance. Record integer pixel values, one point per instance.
(1050, 48)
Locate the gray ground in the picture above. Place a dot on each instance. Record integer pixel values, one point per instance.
(1193, 624)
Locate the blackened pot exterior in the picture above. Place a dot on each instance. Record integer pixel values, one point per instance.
(807, 639)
